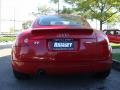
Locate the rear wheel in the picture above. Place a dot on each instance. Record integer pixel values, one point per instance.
(103, 75)
(20, 76)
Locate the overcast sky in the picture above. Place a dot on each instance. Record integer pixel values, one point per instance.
(22, 8)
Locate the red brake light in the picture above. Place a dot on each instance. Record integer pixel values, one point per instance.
(26, 40)
(102, 38)
(103, 45)
(22, 39)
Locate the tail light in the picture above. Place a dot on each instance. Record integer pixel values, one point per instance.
(102, 38)
(103, 45)
(23, 39)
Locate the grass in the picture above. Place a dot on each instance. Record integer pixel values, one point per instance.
(115, 46)
(6, 39)
(116, 56)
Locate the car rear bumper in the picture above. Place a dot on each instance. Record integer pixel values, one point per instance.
(61, 68)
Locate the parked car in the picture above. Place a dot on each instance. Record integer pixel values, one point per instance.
(113, 35)
(61, 45)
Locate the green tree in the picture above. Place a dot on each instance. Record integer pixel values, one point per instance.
(58, 4)
(102, 10)
(66, 10)
(43, 10)
(26, 24)
(55, 1)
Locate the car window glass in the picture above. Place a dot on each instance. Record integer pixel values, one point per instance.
(117, 32)
(57, 20)
(110, 32)
(63, 20)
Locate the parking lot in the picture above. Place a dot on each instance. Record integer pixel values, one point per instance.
(87, 82)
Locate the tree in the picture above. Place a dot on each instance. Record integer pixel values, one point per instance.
(58, 4)
(26, 24)
(43, 10)
(102, 10)
(66, 10)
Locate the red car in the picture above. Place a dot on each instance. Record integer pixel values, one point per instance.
(61, 45)
(113, 35)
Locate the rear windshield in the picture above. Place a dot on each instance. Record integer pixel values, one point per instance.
(61, 20)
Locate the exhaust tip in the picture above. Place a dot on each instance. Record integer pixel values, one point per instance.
(41, 72)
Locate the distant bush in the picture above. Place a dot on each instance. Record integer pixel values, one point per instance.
(115, 46)
(116, 56)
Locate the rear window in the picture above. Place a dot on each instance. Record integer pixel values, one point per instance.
(62, 20)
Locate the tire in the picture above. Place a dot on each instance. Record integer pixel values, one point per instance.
(103, 75)
(20, 76)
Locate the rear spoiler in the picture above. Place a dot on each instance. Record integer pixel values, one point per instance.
(38, 30)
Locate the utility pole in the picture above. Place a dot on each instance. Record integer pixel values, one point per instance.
(0, 15)
(14, 21)
(58, 6)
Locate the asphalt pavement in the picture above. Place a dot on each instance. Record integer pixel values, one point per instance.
(82, 82)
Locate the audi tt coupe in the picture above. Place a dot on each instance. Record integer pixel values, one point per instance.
(61, 45)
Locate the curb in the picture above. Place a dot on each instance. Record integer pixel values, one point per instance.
(116, 64)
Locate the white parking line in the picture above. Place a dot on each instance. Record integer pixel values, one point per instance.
(5, 52)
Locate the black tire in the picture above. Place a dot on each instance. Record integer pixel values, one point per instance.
(20, 76)
(103, 75)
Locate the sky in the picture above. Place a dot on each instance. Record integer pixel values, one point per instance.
(20, 10)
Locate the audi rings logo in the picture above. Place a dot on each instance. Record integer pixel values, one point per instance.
(63, 35)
